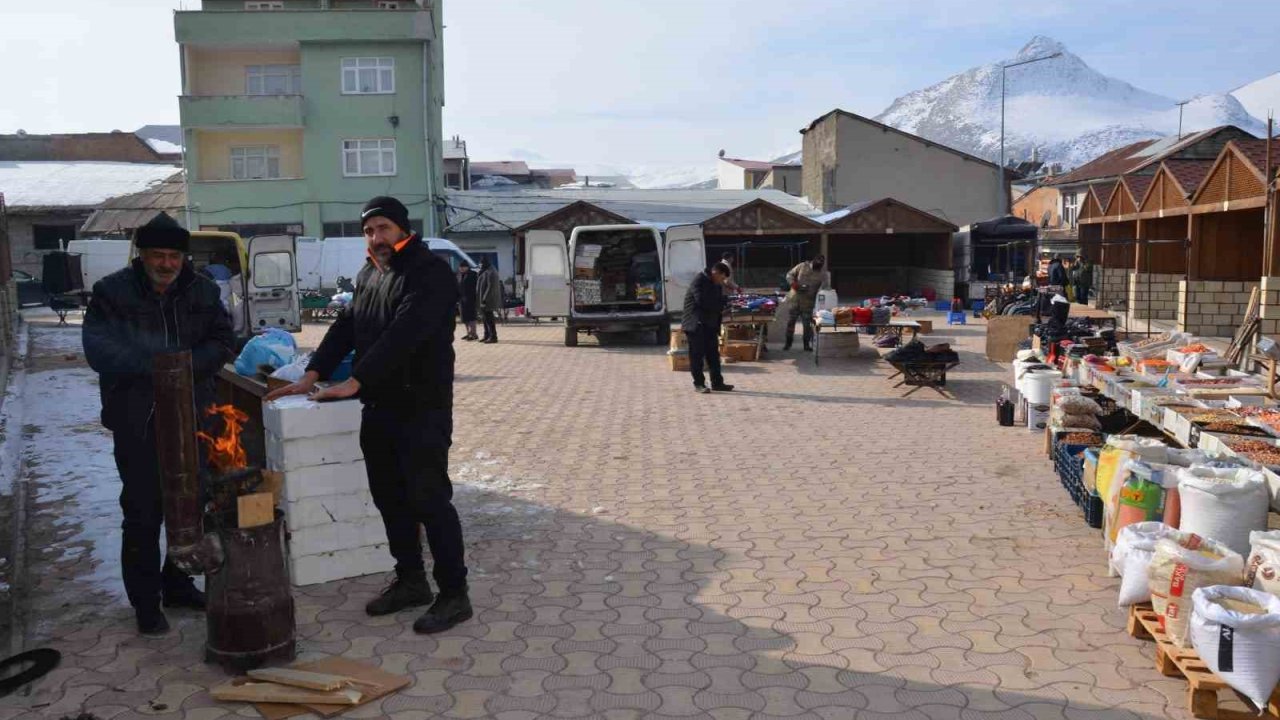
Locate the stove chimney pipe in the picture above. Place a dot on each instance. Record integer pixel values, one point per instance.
(179, 458)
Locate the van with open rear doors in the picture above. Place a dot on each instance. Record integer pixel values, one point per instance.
(612, 278)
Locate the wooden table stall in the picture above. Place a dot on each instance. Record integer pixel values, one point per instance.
(757, 322)
(877, 331)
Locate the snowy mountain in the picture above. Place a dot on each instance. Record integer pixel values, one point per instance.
(1062, 106)
(1260, 97)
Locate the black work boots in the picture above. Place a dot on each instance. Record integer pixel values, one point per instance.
(400, 595)
(448, 610)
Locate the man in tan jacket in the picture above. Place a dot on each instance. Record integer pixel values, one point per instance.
(805, 279)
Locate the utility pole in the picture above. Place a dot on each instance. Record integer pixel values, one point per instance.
(1180, 106)
(1002, 195)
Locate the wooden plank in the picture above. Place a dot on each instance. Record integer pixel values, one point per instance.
(273, 482)
(375, 683)
(248, 691)
(302, 678)
(255, 510)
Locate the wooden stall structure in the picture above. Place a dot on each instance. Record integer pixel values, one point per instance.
(886, 246)
(766, 239)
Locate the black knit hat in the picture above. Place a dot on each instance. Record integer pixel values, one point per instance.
(389, 208)
(162, 232)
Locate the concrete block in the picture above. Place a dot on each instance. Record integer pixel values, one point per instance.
(340, 565)
(1211, 285)
(1208, 308)
(1232, 286)
(325, 509)
(319, 480)
(286, 455)
(298, 417)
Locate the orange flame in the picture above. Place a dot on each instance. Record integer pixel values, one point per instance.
(224, 450)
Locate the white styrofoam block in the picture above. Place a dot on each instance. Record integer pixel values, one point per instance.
(297, 417)
(285, 455)
(334, 479)
(337, 536)
(325, 509)
(339, 565)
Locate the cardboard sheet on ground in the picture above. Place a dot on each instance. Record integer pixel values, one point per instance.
(380, 684)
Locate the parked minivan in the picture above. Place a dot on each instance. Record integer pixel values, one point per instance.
(344, 256)
(612, 278)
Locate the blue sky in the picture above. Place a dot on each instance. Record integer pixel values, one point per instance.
(657, 82)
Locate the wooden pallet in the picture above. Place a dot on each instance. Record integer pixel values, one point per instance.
(1203, 684)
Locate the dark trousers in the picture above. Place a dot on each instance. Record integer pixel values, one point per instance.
(704, 347)
(805, 316)
(490, 326)
(144, 576)
(1082, 294)
(406, 454)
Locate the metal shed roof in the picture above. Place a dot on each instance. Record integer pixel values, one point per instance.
(503, 211)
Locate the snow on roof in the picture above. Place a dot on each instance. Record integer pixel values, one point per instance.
(845, 212)
(749, 164)
(164, 147)
(74, 184)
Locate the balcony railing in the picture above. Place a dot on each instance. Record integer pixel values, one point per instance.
(229, 111)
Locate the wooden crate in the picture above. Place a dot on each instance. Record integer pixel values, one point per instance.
(679, 341)
(1004, 334)
(1203, 685)
(679, 361)
(740, 350)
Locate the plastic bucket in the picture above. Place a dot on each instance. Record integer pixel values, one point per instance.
(1038, 385)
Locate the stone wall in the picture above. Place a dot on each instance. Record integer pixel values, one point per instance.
(1269, 311)
(1154, 296)
(1213, 308)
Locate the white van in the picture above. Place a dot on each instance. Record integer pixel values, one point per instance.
(99, 257)
(344, 256)
(612, 278)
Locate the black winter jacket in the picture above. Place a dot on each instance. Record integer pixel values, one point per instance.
(127, 323)
(703, 305)
(400, 324)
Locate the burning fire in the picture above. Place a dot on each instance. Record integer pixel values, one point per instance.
(225, 452)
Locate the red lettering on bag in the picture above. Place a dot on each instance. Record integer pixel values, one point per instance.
(1178, 580)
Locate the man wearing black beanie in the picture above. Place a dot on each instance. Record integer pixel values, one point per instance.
(401, 325)
(159, 304)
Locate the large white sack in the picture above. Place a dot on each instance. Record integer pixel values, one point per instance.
(1236, 630)
(1183, 563)
(1131, 558)
(1224, 504)
(1262, 571)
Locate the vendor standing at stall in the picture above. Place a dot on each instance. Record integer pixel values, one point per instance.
(401, 325)
(159, 304)
(703, 310)
(805, 280)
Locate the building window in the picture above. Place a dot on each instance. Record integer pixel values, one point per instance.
(453, 180)
(388, 4)
(46, 237)
(255, 162)
(1070, 208)
(273, 80)
(368, 157)
(264, 5)
(368, 76)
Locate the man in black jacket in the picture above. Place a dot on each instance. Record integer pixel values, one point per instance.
(157, 305)
(400, 324)
(703, 310)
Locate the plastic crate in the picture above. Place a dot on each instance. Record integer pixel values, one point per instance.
(1092, 507)
(979, 305)
(942, 305)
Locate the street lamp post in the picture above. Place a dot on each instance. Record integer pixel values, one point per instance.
(1000, 189)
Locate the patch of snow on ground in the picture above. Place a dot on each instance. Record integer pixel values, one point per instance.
(57, 342)
(488, 492)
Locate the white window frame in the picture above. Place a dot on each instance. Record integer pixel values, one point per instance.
(1070, 208)
(357, 151)
(292, 73)
(264, 5)
(384, 75)
(243, 154)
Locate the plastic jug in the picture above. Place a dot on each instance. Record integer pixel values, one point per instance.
(827, 300)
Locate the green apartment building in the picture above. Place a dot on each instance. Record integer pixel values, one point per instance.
(295, 112)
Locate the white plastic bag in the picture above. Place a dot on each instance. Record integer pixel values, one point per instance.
(1262, 572)
(1236, 630)
(1225, 504)
(294, 371)
(1131, 558)
(1184, 562)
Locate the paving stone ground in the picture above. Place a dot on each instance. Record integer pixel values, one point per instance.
(811, 546)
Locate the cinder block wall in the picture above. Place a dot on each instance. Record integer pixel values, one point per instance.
(943, 282)
(1154, 296)
(1213, 308)
(1111, 285)
(1270, 308)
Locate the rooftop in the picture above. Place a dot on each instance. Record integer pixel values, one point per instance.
(1189, 173)
(128, 212)
(749, 164)
(889, 128)
(1256, 152)
(1109, 164)
(74, 184)
(99, 146)
(499, 167)
(502, 211)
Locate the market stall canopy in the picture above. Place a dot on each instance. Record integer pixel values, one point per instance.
(1003, 229)
(885, 216)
